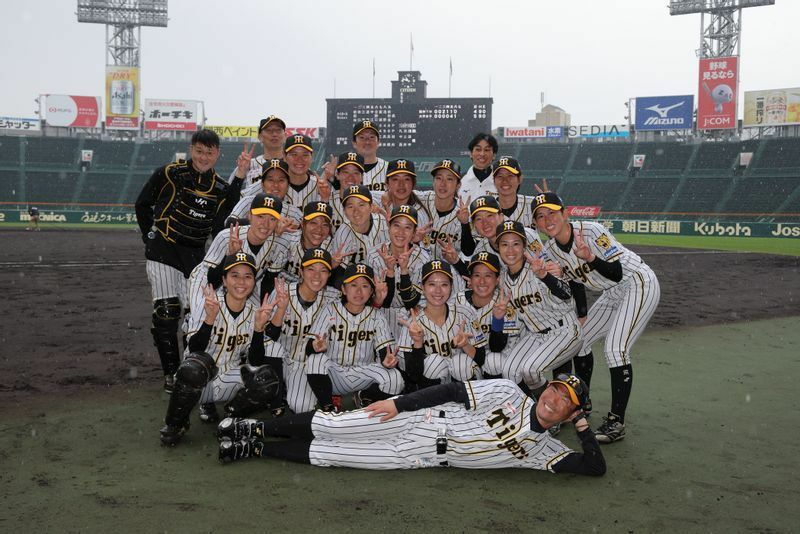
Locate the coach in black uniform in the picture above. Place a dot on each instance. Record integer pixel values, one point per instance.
(178, 209)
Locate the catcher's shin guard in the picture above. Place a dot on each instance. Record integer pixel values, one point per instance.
(166, 317)
(193, 374)
(261, 387)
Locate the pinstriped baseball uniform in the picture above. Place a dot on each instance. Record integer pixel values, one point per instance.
(271, 257)
(291, 346)
(483, 321)
(253, 175)
(443, 361)
(621, 312)
(294, 256)
(360, 243)
(242, 208)
(229, 344)
(492, 432)
(443, 226)
(534, 245)
(375, 178)
(338, 218)
(422, 217)
(354, 341)
(551, 332)
(304, 196)
(523, 212)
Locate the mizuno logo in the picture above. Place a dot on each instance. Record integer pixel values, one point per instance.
(664, 111)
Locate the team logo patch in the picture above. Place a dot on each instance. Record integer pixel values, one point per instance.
(535, 246)
(603, 242)
(539, 199)
(503, 162)
(361, 269)
(401, 164)
(319, 253)
(241, 256)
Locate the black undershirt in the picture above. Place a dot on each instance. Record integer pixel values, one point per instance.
(508, 212)
(482, 174)
(369, 166)
(300, 187)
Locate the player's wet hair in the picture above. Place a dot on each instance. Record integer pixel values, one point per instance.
(206, 137)
(489, 138)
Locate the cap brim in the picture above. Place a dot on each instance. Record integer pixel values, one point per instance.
(353, 163)
(572, 395)
(317, 260)
(265, 211)
(504, 232)
(362, 197)
(400, 171)
(485, 208)
(478, 262)
(288, 148)
(367, 128)
(512, 170)
(232, 265)
(315, 215)
(454, 173)
(284, 171)
(554, 207)
(276, 119)
(449, 275)
(406, 215)
(357, 276)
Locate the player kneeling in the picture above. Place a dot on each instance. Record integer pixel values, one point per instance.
(212, 372)
(485, 424)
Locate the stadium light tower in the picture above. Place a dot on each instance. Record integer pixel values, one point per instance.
(124, 20)
(720, 37)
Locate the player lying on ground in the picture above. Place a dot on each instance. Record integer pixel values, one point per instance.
(485, 424)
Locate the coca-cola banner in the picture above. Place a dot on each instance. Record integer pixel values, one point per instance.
(122, 98)
(72, 111)
(170, 115)
(585, 212)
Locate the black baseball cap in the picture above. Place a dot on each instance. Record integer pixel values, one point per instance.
(359, 270)
(312, 210)
(396, 166)
(511, 227)
(240, 258)
(317, 255)
(298, 140)
(547, 200)
(448, 164)
(578, 392)
(266, 122)
(436, 266)
(485, 258)
(275, 163)
(484, 203)
(409, 212)
(266, 204)
(350, 158)
(365, 125)
(358, 191)
(508, 163)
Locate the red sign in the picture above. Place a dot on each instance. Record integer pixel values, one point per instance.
(312, 133)
(73, 111)
(718, 86)
(587, 212)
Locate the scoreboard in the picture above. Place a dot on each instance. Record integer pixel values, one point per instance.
(409, 122)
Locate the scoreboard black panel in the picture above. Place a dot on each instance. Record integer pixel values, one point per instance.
(409, 121)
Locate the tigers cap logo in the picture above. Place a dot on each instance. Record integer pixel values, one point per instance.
(361, 269)
(319, 253)
(540, 199)
(367, 124)
(436, 265)
(241, 256)
(483, 256)
(269, 202)
(508, 225)
(404, 209)
(274, 164)
(323, 207)
(480, 202)
(298, 138)
(446, 163)
(352, 156)
(503, 161)
(401, 164)
(353, 189)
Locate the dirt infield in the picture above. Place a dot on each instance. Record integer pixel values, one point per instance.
(78, 305)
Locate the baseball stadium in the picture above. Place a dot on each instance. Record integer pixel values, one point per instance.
(712, 207)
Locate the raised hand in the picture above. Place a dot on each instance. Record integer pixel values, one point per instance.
(329, 169)
(537, 265)
(463, 210)
(235, 241)
(388, 259)
(421, 232)
(500, 307)
(281, 293)
(581, 249)
(449, 252)
(263, 314)
(211, 304)
(553, 268)
(461, 339)
(324, 186)
(285, 225)
(391, 361)
(543, 188)
(243, 161)
(381, 289)
(414, 329)
(403, 259)
(339, 255)
(320, 343)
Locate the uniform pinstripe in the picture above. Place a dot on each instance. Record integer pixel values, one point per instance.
(338, 218)
(242, 208)
(294, 255)
(358, 242)
(621, 312)
(304, 196)
(483, 321)
(354, 341)
(422, 217)
(523, 212)
(443, 361)
(534, 245)
(166, 281)
(375, 178)
(538, 310)
(253, 175)
(443, 227)
(493, 432)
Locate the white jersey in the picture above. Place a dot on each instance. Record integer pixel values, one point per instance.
(419, 257)
(422, 216)
(534, 245)
(307, 194)
(294, 256)
(438, 339)
(297, 322)
(444, 226)
(242, 208)
(522, 212)
(472, 188)
(338, 218)
(353, 339)
(357, 243)
(375, 178)
(537, 308)
(603, 245)
(483, 317)
(253, 175)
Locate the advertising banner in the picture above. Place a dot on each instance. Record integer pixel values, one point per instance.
(695, 228)
(532, 132)
(716, 100)
(72, 111)
(20, 124)
(599, 130)
(170, 115)
(122, 98)
(664, 112)
(251, 132)
(584, 212)
(776, 107)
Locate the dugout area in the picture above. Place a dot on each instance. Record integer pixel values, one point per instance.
(712, 420)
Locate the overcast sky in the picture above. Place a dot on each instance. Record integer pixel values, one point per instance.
(249, 58)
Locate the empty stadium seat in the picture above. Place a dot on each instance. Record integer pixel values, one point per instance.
(701, 194)
(9, 150)
(760, 194)
(52, 151)
(110, 154)
(650, 194)
(605, 194)
(602, 158)
(50, 186)
(534, 158)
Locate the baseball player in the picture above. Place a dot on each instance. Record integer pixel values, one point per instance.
(272, 135)
(218, 339)
(33, 219)
(274, 181)
(349, 170)
(493, 316)
(315, 232)
(302, 182)
(507, 177)
(485, 424)
(440, 343)
(177, 210)
(288, 339)
(363, 230)
(449, 216)
(358, 356)
(629, 295)
(366, 140)
(544, 307)
(401, 177)
(477, 181)
(258, 239)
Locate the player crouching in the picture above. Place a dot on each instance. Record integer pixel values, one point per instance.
(212, 372)
(486, 424)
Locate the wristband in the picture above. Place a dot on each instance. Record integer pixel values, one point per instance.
(498, 324)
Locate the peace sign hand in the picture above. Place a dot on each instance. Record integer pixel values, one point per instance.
(544, 188)
(381, 289)
(281, 293)
(263, 314)
(421, 232)
(286, 225)
(537, 265)
(463, 210)
(329, 169)
(403, 259)
(553, 268)
(211, 304)
(320, 343)
(339, 255)
(461, 339)
(414, 329)
(391, 360)
(581, 249)
(243, 161)
(324, 185)
(448, 250)
(500, 307)
(235, 241)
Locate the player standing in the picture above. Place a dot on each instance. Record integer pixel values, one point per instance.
(477, 181)
(177, 210)
(363, 230)
(349, 172)
(507, 177)
(629, 295)
(33, 219)
(366, 140)
(302, 182)
(449, 216)
(401, 178)
(274, 181)
(272, 135)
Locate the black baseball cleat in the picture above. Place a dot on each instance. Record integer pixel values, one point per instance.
(208, 413)
(236, 428)
(611, 430)
(171, 435)
(230, 451)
